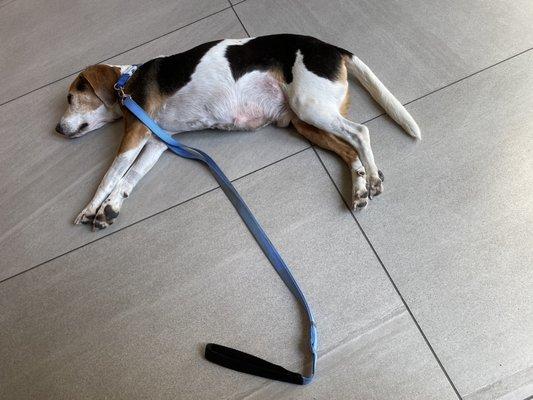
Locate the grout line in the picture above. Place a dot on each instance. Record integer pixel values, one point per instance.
(454, 82)
(232, 7)
(468, 76)
(102, 237)
(272, 163)
(390, 278)
(168, 33)
(153, 215)
(118, 54)
(237, 15)
(12, 1)
(351, 337)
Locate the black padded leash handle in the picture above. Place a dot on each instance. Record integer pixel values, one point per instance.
(244, 362)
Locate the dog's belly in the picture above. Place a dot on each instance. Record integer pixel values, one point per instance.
(255, 100)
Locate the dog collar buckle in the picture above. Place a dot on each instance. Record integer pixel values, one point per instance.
(122, 80)
(120, 90)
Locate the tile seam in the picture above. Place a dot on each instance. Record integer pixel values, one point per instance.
(353, 336)
(117, 54)
(153, 215)
(395, 287)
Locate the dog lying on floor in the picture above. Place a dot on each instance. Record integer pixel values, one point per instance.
(232, 84)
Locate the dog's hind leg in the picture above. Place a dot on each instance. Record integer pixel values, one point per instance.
(133, 141)
(110, 208)
(318, 101)
(330, 142)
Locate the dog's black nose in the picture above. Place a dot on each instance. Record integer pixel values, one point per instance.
(58, 128)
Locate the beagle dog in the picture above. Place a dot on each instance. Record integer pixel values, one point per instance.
(231, 84)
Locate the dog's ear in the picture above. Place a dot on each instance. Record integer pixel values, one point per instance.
(102, 79)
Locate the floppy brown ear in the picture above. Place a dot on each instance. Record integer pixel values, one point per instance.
(102, 78)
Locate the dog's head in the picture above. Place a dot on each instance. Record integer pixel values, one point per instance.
(92, 101)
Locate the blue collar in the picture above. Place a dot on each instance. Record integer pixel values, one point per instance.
(123, 79)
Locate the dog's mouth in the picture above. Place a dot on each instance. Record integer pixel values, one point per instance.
(82, 129)
(72, 135)
(75, 135)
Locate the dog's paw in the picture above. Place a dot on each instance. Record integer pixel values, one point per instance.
(360, 199)
(85, 217)
(375, 185)
(105, 216)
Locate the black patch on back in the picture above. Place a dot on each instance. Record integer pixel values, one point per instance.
(140, 82)
(279, 51)
(169, 74)
(175, 71)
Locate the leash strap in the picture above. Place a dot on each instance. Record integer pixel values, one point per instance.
(221, 355)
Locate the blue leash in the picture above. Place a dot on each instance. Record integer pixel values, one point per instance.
(221, 355)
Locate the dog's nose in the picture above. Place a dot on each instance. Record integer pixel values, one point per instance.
(58, 128)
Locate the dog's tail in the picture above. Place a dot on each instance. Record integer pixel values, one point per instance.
(381, 94)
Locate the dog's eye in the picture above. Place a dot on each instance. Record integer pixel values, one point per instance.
(69, 99)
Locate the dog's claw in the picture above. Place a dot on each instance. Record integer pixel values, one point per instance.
(375, 186)
(360, 199)
(381, 176)
(85, 217)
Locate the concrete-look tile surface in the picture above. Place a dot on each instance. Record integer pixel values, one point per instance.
(47, 40)
(454, 224)
(426, 294)
(128, 315)
(413, 46)
(391, 356)
(46, 180)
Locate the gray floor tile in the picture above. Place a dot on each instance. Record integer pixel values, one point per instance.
(45, 41)
(454, 225)
(5, 2)
(413, 46)
(388, 362)
(514, 387)
(127, 316)
(46, 180)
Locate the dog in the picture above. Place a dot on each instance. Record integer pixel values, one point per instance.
(231, 84)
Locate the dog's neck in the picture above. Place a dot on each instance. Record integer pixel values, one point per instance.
(122, 68)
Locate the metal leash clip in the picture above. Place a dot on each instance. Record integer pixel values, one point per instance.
(124, 77)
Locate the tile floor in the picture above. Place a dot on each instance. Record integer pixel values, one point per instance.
(426, 294)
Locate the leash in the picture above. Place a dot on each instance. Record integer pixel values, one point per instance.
(218, 354)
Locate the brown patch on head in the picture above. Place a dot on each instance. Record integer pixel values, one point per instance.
(82, 96)
(101, 79)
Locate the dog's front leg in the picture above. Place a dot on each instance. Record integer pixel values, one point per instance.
(110, 208)
(133, 141)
